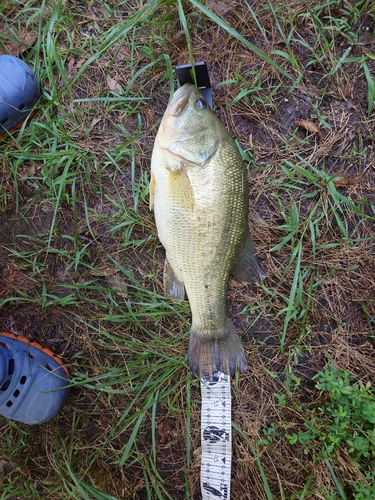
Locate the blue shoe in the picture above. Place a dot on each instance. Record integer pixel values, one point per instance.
(19, 92)
(34, 384)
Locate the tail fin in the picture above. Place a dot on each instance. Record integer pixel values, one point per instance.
(221, 351)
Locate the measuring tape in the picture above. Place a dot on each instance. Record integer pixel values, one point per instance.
(216, 437)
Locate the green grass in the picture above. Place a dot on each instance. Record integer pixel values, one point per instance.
(346, 419)
(82, 266)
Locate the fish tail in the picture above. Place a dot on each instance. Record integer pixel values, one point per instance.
(222, 351)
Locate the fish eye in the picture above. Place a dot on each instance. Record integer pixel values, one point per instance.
(200, 103)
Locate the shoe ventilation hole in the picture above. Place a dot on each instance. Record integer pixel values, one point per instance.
(16, 393)
(5, 385)
(11, 367)
(21, 106)
(49, 368)
(30, 355)
(3, 345)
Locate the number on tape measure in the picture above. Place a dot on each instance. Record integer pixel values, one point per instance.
(216, 437)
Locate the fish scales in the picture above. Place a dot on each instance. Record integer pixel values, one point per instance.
(199, 195)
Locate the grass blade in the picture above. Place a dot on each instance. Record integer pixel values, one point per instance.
(240, 38)
(185, 27)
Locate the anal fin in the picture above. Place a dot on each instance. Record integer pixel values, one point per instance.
(173, 287)
(247, 267)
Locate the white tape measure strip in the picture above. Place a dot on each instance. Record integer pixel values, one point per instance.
(216, 437)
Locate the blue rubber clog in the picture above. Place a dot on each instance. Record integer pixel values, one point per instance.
(34, 383)
(19, 92)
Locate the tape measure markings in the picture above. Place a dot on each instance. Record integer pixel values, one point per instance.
(216, 437)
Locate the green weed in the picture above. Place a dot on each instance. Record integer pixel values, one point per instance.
(346, 419)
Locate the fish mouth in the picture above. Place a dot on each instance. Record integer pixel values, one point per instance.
(180, 99)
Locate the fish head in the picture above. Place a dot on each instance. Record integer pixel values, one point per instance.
(189, 128)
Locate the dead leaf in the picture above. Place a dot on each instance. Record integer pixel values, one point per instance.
(117, 284)
(26, 39)
(309, 126)
(71, 63)
(114, 85)
(346, 182)
(122, 53)
(94, 121)
(219, 7)
(80, 61)
(27, 170)
(74, 65)
(309, 91)
(163, 430)
(179, 38)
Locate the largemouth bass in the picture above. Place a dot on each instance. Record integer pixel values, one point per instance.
(199, 195)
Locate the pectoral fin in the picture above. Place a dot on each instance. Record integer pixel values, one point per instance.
(173, 287)
(152, 192)
(247, 267)
(180, 190)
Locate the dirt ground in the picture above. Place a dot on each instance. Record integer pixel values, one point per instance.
(65, 302)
